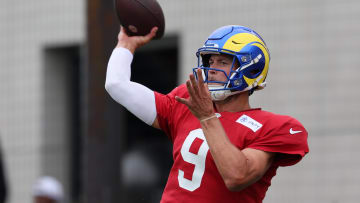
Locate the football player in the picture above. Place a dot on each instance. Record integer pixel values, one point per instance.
(224, 150)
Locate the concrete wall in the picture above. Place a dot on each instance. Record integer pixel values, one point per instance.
(313, 74)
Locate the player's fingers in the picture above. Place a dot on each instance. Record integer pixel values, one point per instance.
(207, 92)
(151, 34)
(190, 88)
(206, 87)
(199, 73)
(154, 31)
(194, 84)
(182, 100)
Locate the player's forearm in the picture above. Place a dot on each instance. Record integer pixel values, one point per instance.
(230, 161)
(118, 68)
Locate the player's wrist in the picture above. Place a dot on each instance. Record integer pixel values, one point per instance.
(208, 118)
(128, 46)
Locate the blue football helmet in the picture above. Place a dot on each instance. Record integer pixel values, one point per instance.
(250, 53)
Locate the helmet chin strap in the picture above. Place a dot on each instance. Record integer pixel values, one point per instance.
(219, 95)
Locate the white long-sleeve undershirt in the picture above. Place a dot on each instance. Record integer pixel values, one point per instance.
(136, 98)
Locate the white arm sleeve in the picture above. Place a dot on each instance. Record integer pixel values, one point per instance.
(136, 98)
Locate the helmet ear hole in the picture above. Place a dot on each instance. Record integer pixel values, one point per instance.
(254, 71)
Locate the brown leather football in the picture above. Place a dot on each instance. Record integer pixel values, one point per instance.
(138, 17)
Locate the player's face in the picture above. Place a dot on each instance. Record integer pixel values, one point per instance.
(223, 62)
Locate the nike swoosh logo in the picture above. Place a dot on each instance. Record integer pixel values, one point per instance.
(294, 131)
(236, 42)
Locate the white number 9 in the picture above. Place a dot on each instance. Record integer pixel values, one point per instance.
(197, 159)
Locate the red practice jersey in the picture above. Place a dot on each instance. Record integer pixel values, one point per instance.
(194, 176)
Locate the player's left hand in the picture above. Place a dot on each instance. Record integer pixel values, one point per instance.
(199, 101)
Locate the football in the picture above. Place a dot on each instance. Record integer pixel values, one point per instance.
(138, 17)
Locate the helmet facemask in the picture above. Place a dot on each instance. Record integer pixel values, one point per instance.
(219, 90)
(234, 83)
(249, 52)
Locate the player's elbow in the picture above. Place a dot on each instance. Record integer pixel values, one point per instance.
(111, 86)
(240, 182)
(235, 184)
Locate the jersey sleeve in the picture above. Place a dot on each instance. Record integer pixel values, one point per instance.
(166, 105)
(288, 140)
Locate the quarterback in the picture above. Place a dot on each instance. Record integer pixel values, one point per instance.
(223, 149)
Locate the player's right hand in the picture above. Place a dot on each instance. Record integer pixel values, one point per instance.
(134, 42)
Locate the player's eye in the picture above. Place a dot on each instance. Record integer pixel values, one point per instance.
(224, 63)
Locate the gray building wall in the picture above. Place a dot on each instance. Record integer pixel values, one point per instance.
(315, 53)
(26, 29)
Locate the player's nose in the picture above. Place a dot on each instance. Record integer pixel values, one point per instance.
(215, 66)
